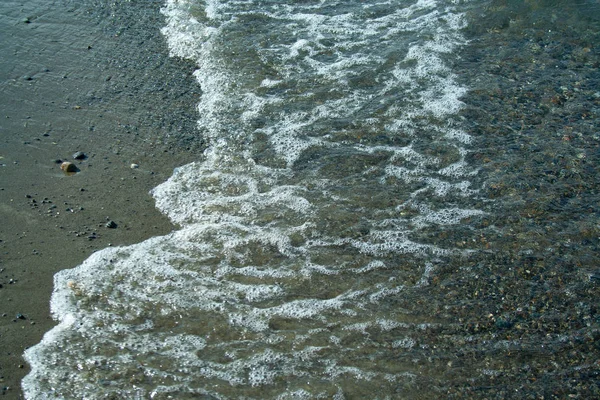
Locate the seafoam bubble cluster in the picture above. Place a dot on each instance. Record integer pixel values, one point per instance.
(332, 148)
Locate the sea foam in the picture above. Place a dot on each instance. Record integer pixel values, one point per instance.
(331, 149)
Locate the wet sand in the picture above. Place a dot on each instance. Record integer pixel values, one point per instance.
(80, 77)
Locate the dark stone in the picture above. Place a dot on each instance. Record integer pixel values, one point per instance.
(111, 224)
(503, 323)
(80, 155)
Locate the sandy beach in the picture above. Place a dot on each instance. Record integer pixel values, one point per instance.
(80, 77)
(518, 316)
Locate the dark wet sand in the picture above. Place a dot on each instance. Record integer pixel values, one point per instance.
(80, 77)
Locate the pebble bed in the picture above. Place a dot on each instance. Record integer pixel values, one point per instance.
(520, 316)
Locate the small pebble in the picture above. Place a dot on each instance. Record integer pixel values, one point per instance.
(111, 224)
(134, 166)
(80, 155)
(68, 167)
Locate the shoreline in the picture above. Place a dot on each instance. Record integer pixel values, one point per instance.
(521, 308)
(88, 78)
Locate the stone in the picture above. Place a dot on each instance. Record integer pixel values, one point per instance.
(69, 168)
(80, 155)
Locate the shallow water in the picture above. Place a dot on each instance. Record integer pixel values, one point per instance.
(337, 236)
